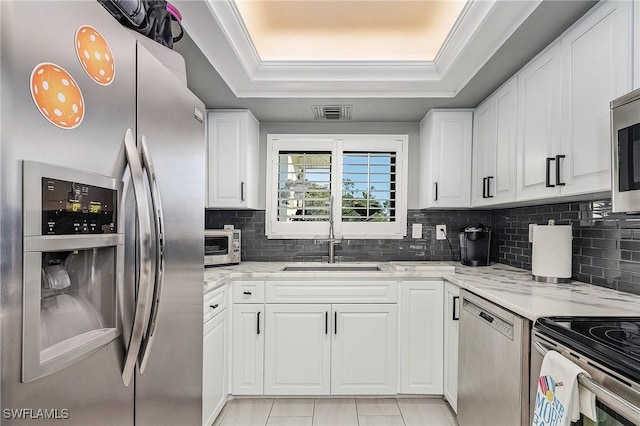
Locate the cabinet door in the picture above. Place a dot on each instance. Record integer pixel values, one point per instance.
(501, 183)
(297, 349)
(226, 159)
(484, 150)
(451, 320)
(232, 159)
(248, 349)
(538, 124)
(596, 69)
(364, 351)
(214, 367)
(421, 337)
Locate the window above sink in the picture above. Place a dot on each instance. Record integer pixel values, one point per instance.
(365, 174)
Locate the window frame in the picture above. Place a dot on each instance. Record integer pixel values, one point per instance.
(337, 144)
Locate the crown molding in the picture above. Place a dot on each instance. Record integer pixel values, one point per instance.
(483, 26)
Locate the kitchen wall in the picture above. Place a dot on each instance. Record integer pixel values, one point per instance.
(347, 127)
(255, 246)
(606, 247)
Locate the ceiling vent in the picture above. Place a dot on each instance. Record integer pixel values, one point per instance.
(332, 112)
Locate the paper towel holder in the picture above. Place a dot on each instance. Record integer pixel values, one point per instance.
(551, 279)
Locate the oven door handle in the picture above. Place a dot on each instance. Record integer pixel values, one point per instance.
(614, 401)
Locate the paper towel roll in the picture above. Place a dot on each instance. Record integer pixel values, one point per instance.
(551, 254)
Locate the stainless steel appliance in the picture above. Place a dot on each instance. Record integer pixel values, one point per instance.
(221, 246)
(625, 144)
(493, 365)
(606, 348)
(475, 246)
(101, 298)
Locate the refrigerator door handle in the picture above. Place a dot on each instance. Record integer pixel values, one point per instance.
(144, 229)
(158, 217)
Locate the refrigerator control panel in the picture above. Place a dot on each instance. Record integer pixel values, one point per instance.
(70, 208)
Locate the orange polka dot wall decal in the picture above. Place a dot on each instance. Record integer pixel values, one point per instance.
(95, 55)
(57, 95)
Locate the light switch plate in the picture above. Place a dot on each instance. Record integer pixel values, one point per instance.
(441, 232)
(416, 230)
(531, 225)
(228, 227)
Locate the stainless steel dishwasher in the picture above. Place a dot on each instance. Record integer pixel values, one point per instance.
(493, 365)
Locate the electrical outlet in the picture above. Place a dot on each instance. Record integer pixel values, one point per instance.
(228, 227)
(441, 232)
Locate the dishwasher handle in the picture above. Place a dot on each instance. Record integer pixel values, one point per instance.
(489, 318)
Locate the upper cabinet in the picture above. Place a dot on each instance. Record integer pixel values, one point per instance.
(596, 69)
(445, 159)
(232, 159)
(550, 123)
(539, 125)
(494, 147)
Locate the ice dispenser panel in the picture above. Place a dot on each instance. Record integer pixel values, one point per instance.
(73, 270)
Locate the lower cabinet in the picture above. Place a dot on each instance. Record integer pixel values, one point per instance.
(364, 349)
(421, 339)
(297, 349)
(330, 349)
(451, 321)
(248, 348)
(215, 363)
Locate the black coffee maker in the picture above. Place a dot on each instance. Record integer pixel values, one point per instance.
(475, 246)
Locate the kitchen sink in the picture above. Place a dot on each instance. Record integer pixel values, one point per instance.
(331, 268)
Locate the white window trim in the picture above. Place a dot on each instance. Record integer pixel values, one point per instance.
(337, 144)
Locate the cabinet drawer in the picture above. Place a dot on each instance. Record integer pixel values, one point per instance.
(331, 291)
(248, 292)
(215, 302)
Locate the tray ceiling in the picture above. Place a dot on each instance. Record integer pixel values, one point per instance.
(273, 49)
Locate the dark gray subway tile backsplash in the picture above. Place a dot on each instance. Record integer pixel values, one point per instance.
(606, 247)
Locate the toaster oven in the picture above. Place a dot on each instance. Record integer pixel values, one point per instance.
(221, 246)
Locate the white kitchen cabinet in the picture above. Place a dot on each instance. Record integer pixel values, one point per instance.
(248, 327)
(563, 108)
(232, 159)
(215, 350)
(539, 124)
(297, 349)
(451, 325)
(445, 159)
(494, 147)
(364, 349)
(596, 69)
(421, 340)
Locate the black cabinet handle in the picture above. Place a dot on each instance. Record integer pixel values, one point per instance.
(248, 293)
(213, 306)
(489, 186)
(335, 323)
(549, 160)
(326, 322)
(258, 322)
(484, 187)
(558, 183)
(456, 314)
(435, 191)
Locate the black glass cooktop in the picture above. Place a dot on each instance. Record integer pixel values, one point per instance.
(612, 341)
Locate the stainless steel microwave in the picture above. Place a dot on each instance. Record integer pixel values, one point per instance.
(221, 246)
(625, 155)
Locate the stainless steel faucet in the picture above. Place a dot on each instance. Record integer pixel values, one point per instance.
(333, 242)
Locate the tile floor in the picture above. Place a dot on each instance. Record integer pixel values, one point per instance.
(337, 412)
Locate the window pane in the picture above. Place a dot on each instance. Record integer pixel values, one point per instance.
(368, 187)
(304, 186)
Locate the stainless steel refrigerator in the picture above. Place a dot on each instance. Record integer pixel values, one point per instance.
(101, 273)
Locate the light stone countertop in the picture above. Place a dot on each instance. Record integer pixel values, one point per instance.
(504, 285)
